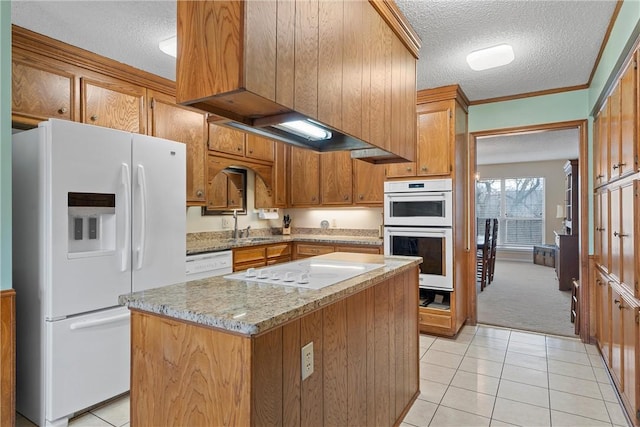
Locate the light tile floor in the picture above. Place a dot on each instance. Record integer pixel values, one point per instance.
(486, 376)
(489, 376)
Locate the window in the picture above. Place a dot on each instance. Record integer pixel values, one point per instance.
(518, 203)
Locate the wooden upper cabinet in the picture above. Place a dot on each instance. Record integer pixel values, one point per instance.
(217, 191)
(627, 157)
(348, 65)
(614, 133)
(39, 93)
(336, 185)
(177, 123)
(304, 181)
(601, 147)
(398, 170)
(274, 196)
(114, 104)
(225, 140)
(259, 148)
(434, 139)
(368, 183)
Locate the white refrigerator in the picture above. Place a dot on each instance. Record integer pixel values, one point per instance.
(97, 213)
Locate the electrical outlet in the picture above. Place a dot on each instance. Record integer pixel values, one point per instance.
(225, 223)
(307, 360)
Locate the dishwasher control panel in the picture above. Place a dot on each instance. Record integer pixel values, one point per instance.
(202, 266)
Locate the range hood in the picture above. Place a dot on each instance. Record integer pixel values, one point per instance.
(346, 67)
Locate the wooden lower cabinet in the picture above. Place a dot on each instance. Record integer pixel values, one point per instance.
(630, 354)
(260, 256)
(440, 321)
(8, 357)
(365, 366)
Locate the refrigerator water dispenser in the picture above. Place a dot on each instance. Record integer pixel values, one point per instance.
(92, 224)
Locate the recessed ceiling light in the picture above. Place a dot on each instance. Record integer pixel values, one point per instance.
(169, 46)
(490, 57)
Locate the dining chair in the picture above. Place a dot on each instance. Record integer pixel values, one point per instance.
(492, 250)
(482, 256)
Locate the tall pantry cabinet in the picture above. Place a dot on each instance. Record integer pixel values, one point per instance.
(615, 269)
(442, 152)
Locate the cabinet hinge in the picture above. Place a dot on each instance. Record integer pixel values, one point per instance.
(153, 103)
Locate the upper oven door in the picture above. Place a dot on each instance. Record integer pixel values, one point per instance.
(418, 209)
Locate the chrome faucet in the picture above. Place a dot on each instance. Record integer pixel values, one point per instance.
(235, 224)
(248, 228)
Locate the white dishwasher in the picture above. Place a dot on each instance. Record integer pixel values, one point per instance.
(203, 266)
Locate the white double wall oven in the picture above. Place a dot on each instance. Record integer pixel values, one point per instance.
(418, 220)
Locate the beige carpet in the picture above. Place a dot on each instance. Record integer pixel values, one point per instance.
(525, 296)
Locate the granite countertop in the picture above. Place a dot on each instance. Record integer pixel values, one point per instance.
(214, 245)
(249, 308)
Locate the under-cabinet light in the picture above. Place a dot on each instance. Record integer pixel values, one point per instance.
(305, 129)
(169, 46)
(490, 57)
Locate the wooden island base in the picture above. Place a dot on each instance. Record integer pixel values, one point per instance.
(365, 366)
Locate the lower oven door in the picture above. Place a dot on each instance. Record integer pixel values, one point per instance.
(434, 245)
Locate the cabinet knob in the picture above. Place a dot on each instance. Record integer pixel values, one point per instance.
(250, 151)
(599, 176)
(346, 197)
(409, 168)
(239, 148)
(423, 168)
(313, 198)
(616, 234)
(199, 193)
(62, 110)
(361, 197)
(93, 118)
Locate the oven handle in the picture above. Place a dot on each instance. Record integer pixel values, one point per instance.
(414, 195)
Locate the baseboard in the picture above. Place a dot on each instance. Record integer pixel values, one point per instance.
(8, 357)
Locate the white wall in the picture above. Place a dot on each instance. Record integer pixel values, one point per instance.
(553, 173)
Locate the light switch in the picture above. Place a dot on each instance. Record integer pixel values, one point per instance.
(93, 228)
(77, 228)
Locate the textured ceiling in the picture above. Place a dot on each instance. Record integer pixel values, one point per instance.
(528, 147)
(555, 42)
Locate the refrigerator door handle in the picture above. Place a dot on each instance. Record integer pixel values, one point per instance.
(98, 322)
(126, 251)
(142, 182)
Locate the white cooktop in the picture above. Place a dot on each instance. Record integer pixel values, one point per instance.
(311, 274)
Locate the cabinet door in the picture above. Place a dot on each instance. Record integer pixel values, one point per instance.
(434, 139)
(628, 121)
(217, 189)
(235, 191)
(337, 178)
(601, 235)
(276, 194)
(616, 335)
(182, 124)
(601, 149)
(399, 170)
(368, 183)
(226, 140)
(629, 354)
(603, 316)
(304, 179)
(614, 231)
(614, 133)
(259, 148)
(626, 236)
(39, 93)
(113, 104)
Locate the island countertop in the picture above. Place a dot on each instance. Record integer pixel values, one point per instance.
(248, 308)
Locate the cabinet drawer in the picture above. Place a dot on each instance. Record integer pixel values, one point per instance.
(278, 250)
(313, 250)
(360, 249)
(248, 254)
(433, 319)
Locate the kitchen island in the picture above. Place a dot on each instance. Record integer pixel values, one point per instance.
(228, 352)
